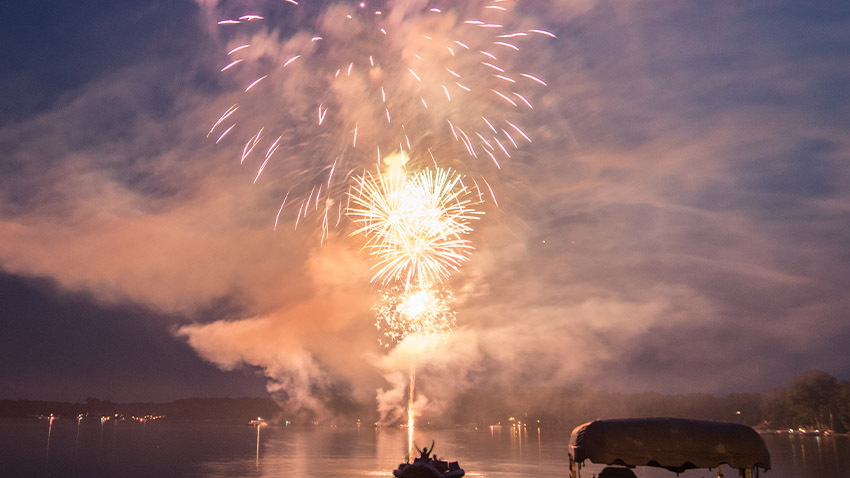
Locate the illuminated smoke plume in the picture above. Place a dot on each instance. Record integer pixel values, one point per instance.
(432, 93)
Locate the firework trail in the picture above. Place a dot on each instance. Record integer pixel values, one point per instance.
(326, 89)
(410, 413)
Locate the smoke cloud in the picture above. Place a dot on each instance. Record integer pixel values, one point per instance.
(678, 223)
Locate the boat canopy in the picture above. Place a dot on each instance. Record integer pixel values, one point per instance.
(673, 443)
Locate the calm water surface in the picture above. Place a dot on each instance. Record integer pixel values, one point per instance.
(128, 449)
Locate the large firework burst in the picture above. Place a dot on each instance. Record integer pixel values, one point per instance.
(326, 88)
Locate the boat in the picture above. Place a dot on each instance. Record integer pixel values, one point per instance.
(675, 444)
(425, 466)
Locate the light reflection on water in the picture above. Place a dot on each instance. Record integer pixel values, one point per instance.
(220, 450)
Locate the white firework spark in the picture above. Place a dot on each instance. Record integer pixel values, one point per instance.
(416, 226)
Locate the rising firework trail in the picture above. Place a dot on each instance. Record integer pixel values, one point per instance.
(410, 411)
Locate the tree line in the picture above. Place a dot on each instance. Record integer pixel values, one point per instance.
(812, 400)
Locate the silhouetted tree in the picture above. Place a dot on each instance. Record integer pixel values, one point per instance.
(811, 396)
(842, 407)
(775, 407)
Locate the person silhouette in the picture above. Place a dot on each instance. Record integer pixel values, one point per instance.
(425, 452)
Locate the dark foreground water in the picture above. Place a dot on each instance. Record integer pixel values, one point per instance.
(161, 449)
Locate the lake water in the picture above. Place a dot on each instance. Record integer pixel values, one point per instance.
(162, 448)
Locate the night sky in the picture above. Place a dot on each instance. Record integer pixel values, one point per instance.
(680, 223)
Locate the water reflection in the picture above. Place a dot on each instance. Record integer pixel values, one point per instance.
(49, 432)
(258, 447)
(76, 448)
(810, 456)
(77, 438)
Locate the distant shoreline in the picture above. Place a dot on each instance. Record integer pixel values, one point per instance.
(813, 403)
(190, 409)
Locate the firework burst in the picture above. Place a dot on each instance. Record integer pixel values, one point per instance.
(416, 227)
(423, 311)
(326, 89)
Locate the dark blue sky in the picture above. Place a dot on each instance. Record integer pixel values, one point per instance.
(65, 346)
(680, 223)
